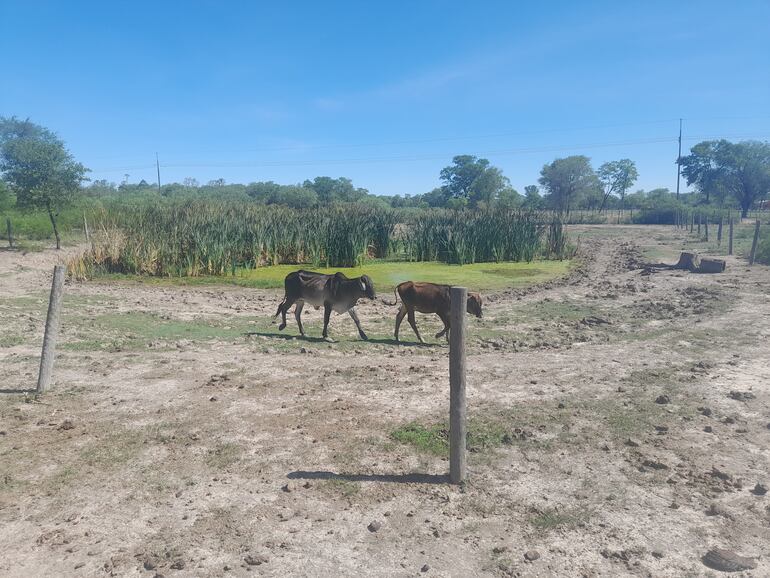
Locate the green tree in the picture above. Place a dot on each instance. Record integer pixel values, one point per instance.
(568, 179)
(7, 199)
(721, 168)
(472, 179)
(508, 198)
(616, 178)
(533, 201)
(38, 167)
(331, 190)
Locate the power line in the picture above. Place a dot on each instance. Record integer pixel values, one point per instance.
(416, 158)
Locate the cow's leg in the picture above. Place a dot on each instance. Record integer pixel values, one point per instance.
(327, 315)
(352, 312)
(283, 309)
(444, 332)
(298, 316)
(413, 323)
(399, 318)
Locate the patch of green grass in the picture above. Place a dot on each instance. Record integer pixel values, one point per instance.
(223, 455)
(114, 449)
(551, 518)
(387, 274)
(483, 434)
(342, 487)
(10, 340)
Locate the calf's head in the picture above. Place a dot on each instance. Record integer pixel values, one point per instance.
(366, 286)
(474, 304)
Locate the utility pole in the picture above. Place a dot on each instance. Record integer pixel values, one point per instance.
(157, 164)
(678, 161)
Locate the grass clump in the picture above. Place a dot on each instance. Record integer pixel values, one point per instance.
(483, 435)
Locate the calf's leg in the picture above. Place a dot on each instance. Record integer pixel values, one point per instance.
(399, 318)
(298, 316)
(353, 314)
(445, 331)
(327, 315)
(283, 308)
(413, 323)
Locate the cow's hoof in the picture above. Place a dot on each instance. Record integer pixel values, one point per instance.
(281, 327)
(364, 337)
(328, 339)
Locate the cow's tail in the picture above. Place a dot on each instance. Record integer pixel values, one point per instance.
(395, 294)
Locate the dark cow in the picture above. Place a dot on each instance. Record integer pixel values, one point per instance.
(429, 298)
(335, 292)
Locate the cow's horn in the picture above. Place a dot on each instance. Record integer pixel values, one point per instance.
(363, 286)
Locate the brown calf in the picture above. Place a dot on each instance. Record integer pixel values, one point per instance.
(429, 298)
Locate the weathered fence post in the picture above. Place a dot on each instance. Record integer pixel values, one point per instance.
(719, 231)
(730, 242)
(753, 253)
(457, 426)
(707, 228)
(10, 231)
(51, 330)
(700, 218)
(85, 228)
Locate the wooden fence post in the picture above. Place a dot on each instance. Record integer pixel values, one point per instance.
(457, 425)
(692, 222)
(707, 228)
(730, 241)
(719, 231)
(753, 253)
(85, 228)
(700, 218)
(10, 231)
(51, 330)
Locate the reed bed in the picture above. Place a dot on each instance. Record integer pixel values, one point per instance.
(204, 237)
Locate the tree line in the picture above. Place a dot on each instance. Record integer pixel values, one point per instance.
(37, 172)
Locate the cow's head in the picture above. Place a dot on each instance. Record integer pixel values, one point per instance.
(474, 304)
(366, 286)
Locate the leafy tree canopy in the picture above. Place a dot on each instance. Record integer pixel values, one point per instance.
(567, 180)
(721, 168)
(38, 167)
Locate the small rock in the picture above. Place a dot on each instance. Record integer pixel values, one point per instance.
(726, 561)
(728, 420)
(256, 559)
(374, 526)
(178, 565)
(79, 565)
(424, 568)
(759, 490)
(662, 399)
(531, 555)
(149, 564)
(657, 554)
(289, 487)
(630, 442)
(661, 429)
(212, 398)
(741, 395)
(655, 465)
(708, 429)
(67, 424)
(705, 411)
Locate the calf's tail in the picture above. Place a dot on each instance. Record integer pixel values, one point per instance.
(280, 307)
(395, 294)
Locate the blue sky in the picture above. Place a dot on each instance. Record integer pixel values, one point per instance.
(384, 93)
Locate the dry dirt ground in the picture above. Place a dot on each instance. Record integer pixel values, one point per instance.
(174, 444)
